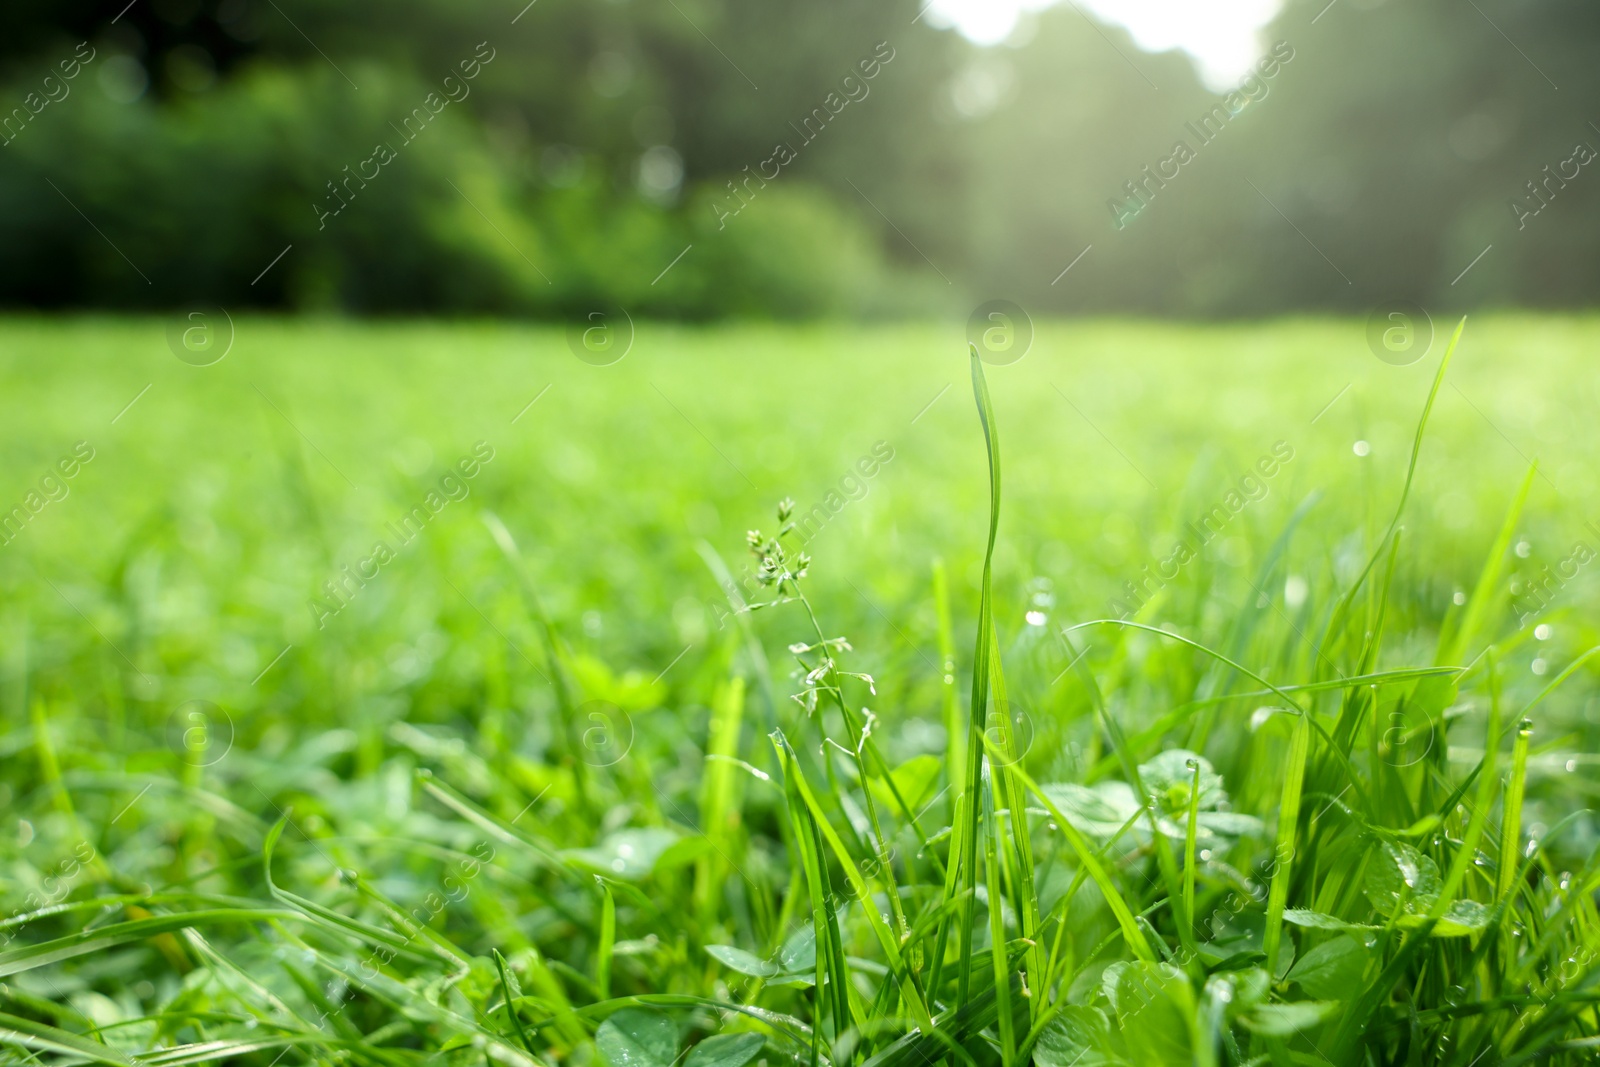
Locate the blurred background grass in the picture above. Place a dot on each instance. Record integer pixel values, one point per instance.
(220, 502)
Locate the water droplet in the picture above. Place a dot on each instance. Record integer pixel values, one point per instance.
(1539, 666)
(1542, 631)
(1459, 597)
(1524, 549)
(1035, 618)
(1361, 448)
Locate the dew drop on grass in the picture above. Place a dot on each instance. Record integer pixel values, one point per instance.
(1524, 549)
(1035, 618)
(1361, 448)
(1540, 666)
(24, 832)
(1459, 598)
(1542, 631)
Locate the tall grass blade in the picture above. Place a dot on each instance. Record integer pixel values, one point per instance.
(964, 860)
(608, 940)
(46, 1038)
(990, 710)
(719, 811)
(997, 928)
(1188, 917)
(956, 749)
(1283, 852)
(511, 1011)
(1511, 811)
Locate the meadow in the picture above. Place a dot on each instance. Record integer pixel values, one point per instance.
(414, 692)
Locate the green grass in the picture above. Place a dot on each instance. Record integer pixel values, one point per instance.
(584, 772)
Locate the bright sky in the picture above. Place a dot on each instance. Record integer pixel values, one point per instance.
(1223, 36)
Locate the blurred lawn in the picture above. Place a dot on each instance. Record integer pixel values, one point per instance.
(187, 553)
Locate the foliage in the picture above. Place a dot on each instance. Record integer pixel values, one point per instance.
(1399, 142)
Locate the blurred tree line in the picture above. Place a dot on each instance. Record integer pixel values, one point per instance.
(703, 158)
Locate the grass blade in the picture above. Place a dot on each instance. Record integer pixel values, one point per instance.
(53, 1039)
(956, 751)
(719, 811)
(1511, 811)
(1188, 917)
(1283, 854)
(98, 939)
(608, 940)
